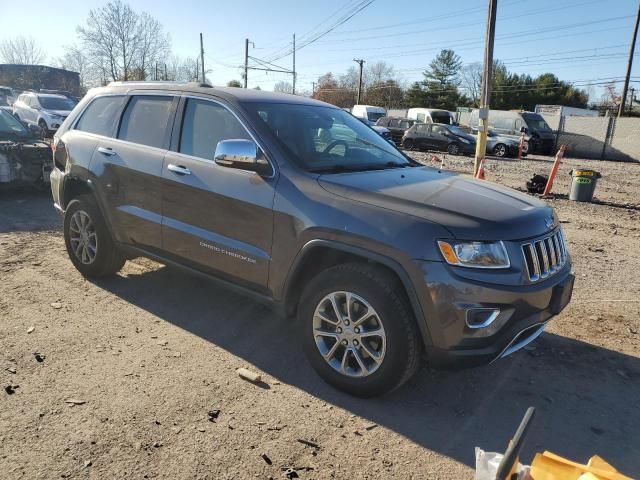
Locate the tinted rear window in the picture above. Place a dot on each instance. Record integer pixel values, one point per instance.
(145, 120)
(101, 116)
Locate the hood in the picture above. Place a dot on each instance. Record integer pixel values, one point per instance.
(470, 209)
(62, 113)
(466, 136)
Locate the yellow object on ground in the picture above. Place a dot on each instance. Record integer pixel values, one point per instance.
(549, 466)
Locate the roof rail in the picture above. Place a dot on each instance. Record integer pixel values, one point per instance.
(159, 82)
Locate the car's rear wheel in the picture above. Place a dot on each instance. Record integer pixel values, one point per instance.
(453, 149)
(43, 127)
(408, 144)
(358, 330)
(88, 240)
(500, 150)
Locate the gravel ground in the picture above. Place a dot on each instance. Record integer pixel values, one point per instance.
(148, 361)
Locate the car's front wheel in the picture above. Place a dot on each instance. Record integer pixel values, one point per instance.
(500, 150)
(453, 149)
(359, 332)
(88, 240)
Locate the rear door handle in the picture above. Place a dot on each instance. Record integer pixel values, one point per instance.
(179, 169)
(106, 151)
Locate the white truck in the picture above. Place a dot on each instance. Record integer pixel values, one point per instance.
(370, 113)
(431, 115)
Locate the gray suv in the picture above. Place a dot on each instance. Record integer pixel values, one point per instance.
(380, 260)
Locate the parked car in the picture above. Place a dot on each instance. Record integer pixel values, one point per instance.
(538, 134)
(64, 93)
(382, 131)
(370, 113)
(503, 145)
(440, 137)
(24, 157)
(7, 96)
(45, 110)
(397, 126)
(431, 115)
(297, 203)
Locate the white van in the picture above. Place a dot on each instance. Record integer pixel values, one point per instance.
(538, 134)
(431, 115)
(370, 113)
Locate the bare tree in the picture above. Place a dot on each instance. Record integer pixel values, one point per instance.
(126, 42)
(471, 81)
(21, 50)
(379, 72)
(283, 87)
(75, 60)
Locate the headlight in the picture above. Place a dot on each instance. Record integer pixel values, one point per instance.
(475, 254)
(464, 140)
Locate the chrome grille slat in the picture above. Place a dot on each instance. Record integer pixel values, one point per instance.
(545, 256)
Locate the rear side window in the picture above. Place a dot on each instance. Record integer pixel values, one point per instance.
(145, 120)
(204, 125)
(101, 116)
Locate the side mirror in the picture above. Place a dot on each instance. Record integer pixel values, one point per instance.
(241, 154)
(35, 130)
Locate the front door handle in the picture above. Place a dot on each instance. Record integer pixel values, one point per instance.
(179, 169)
(106, 151)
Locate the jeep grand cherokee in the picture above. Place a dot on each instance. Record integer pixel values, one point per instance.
(296, 202)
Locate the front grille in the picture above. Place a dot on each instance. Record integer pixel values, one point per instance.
(545, 256)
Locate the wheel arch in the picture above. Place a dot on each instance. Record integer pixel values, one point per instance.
(318, 255)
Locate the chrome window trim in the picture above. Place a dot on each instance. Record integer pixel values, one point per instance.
(244, 125)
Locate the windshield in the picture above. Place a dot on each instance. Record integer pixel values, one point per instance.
(441, 117)
(327, 139)
(374, 116)
(536, 122)
(56, 103)
(9, 124)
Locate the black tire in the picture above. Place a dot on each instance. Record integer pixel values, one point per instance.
(500, 150)
(408, 144)
(107, 258)
(453, 149)
(386, 295)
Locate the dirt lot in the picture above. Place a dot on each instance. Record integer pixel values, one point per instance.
(152, 351)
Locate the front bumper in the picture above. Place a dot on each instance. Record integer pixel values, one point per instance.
(524, 311)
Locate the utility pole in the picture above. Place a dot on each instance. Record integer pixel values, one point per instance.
(246, 60)
(360, 62)
(156, 77)
(633, 90)
(313, 88)
(293, 90)
(623, 100)
(197, 68)
(485, 98)
(166, 77)
(202, 58)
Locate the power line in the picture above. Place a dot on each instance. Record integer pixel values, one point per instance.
(361, 6)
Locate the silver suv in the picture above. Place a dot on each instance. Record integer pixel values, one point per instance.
(296, 202)
(47, 111)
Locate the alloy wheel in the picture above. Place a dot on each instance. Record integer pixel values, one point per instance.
(83, 237)
(453, 149)
(500, 150)
(349, 334)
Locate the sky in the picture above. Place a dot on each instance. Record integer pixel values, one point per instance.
(585, 41)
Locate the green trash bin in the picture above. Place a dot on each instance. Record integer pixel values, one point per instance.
(583, 185)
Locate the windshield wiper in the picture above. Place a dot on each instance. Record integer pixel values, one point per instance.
(335, 169)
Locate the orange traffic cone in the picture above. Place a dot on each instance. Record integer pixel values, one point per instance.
(480, 174)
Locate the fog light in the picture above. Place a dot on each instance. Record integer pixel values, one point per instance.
(481, 317)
